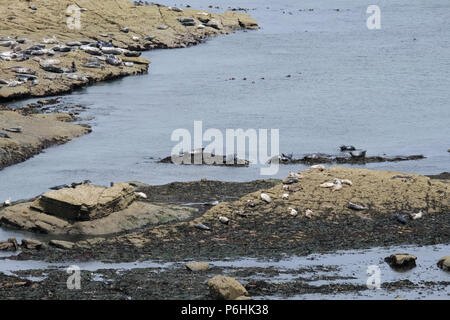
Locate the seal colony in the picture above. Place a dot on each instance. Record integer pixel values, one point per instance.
(37, 61)
(361, 213)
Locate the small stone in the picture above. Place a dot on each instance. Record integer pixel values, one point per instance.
(285, 196)
(226, 288)
(197, 266)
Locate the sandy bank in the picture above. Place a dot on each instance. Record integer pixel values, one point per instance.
(22, 137)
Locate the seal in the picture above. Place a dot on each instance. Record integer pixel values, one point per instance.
(358, 153)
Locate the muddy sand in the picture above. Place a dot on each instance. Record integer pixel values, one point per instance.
(41, 54)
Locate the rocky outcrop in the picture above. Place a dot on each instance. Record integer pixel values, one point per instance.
(85, 202)
(101, 211)
(225, 288)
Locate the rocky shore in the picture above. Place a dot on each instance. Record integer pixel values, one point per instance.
(308, 212)
(312, 211)
(106, 44)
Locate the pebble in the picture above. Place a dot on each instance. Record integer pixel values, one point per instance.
(285, 196)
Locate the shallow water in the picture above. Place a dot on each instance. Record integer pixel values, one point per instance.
(380, 90)
(349, 266)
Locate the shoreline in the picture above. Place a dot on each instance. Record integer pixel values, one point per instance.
(56, 59)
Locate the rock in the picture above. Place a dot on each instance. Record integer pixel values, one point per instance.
(444, 263)
(197, 266)
(402, 261)
(245, 298)
(162, 27)
(10, 245)
(225, 288)
(31, 244)
(62, 244)
(85, 202)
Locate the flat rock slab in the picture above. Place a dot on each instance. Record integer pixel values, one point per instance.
(137, 215)
(85, 202)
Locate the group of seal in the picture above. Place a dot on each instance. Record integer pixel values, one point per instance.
(105, 51)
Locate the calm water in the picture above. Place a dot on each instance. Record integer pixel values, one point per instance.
(380, 90)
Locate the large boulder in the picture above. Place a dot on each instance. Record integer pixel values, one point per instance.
(225, 288)
(444, 263)
(85, 202)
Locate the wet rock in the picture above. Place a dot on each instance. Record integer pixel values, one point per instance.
(444, 263)
(62, 244)
(31, 244)
(85, 202)
(205, 158)
(225, 288)
(353, 157)
(401, 261)
(10, 245)
(197, 266)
